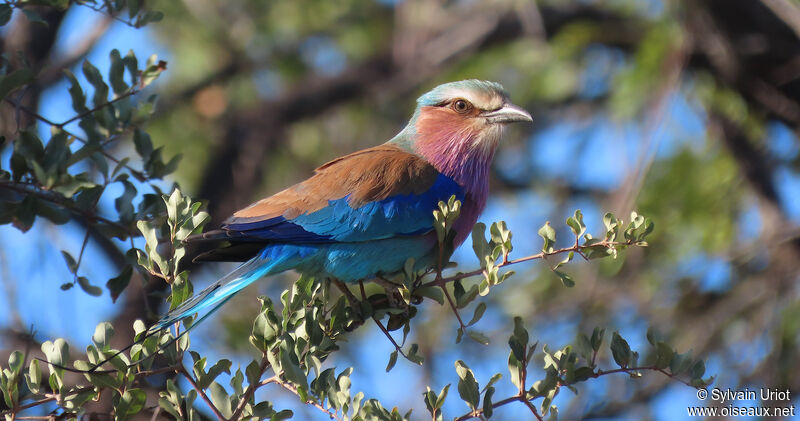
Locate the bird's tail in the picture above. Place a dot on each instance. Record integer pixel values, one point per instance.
(210, 299)
(220, 291)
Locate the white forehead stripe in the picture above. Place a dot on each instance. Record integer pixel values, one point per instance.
(485, 100)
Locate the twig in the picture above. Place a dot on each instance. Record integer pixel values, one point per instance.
(201, 392)
(251, 389)
(388, 335)
(99, 9)
(80, 256)
(574, 248)
(522, 397)
(137, 174)
(55, 198)
(378, 322)
(276, 380)
(131, 91)
(442, 283)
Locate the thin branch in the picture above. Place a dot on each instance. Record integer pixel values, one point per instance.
(391, 339)
(276, 380)
(442, 283)
(49, 398)
(522, 397)
(132, 91)
(201, 392)
(99, 9)
(575, 248)
(136, 173)
(56, 199)
(80, 255)
(251, 389)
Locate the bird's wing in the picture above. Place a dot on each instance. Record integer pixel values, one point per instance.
(376, 193)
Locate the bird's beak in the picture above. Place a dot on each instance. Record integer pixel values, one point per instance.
(508, 113)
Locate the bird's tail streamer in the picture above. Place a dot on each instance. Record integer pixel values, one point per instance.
(220, 291)
(212, 298)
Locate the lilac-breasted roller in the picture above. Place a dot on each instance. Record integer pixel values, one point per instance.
(364, 214)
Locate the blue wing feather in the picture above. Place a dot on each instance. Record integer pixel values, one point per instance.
(399, 215)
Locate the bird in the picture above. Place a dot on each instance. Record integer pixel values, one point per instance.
(363, 215)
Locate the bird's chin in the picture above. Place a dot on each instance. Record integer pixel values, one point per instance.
(489, 137)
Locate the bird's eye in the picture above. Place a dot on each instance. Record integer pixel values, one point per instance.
(462, 106)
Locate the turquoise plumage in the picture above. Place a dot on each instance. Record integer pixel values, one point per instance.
(363, 215)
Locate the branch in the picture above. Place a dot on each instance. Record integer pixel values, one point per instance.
(251, 389)
(182, 370)
(131, 91)
(528, 401)
(575, 248)
(276, 380)
(137, 174)
(57, 199)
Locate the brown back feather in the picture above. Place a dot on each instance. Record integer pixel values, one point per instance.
(368, 175)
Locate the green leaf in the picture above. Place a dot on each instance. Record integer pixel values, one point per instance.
(292, 370)
(76, 93)
(5, 13)
(464, 299)
(478, 337)
(220, 399)
(477, 314)
(548, 234)
(413, 356)
(566, 280)
(520, 333)
(34, 17)
(15, 361)
(88, 288)
(576, 224)
(392, 361)
(697, 370)
(102, 336)
(442, 396)
(152, 71)
(479, 244)
(116, 74)
(434, 293)
(597, 338)
(13, 81)
(488, 410)
(52, 212)
(118, 284)
(222, 366)
(266, 326)
(130, 403)
(68, 186)
(34, 376)
(620, 350)
(57, 353)
(124, 203)
(663, 355)
(71, 263)
(467, 385)
(94, 77)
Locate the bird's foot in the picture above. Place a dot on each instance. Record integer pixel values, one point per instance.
(392, 289)
(354, 302)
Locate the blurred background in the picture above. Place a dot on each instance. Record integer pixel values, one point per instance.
(685, 111)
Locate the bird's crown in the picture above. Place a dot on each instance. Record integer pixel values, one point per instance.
(484, 95)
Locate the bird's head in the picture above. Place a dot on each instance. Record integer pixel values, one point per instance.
(459, 122)
(471, 103)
